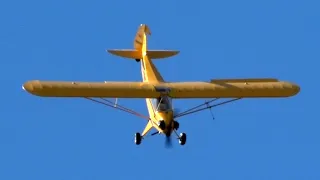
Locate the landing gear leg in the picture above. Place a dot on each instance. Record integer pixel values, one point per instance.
(182, 138)
(137, 138)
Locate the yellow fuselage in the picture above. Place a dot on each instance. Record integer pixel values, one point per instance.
(157, 111)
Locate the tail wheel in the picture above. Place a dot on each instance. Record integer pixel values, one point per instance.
(182, 139)
(137, 138)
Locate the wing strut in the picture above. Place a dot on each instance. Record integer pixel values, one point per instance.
(195, 108)
(198, 109)
(117, 106)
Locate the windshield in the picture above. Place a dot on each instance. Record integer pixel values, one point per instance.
(162, 104)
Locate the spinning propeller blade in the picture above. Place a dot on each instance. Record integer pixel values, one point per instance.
(168, 142)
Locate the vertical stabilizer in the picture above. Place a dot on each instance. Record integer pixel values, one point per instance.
(149, 71)
(140, 45)
(140, 40)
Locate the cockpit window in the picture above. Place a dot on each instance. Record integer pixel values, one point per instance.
(162, 104)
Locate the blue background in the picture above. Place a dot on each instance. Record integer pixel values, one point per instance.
(52, 138)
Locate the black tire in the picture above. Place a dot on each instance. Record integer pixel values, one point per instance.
(162, 125)
(182, 139)
(176, 125)
(137, 138)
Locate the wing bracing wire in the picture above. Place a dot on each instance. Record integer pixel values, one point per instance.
(119, 107)
(192, 110)
(208, 106)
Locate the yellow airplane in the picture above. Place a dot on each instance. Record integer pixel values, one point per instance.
(159, 93)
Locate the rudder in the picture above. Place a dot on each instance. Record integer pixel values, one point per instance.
(140, 40)
(140, 47)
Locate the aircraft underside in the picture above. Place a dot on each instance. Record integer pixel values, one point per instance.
(161, 119)
(158, 93)
(167, 130)
(160, 126)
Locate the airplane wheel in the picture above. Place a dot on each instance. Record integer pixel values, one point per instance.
(176, 125)
(137, 138)
(138, 60)
(182, 139)
(162, 125)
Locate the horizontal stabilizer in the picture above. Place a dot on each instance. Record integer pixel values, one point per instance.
(134, 54)
(159, 54)
(126, 53)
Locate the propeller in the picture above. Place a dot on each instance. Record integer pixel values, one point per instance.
(168, 142)
(168, 139)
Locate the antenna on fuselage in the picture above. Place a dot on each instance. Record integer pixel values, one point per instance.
(116, 102)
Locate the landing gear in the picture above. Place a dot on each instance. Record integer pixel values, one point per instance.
(162, 125)
(137, 138)
(182, 138)
(175, 125)
(138, 60)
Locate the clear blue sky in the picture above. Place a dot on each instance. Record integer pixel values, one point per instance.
(51, 139)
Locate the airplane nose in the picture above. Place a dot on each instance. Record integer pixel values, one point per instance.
(32, 87)
(296, 88)
(27, 86)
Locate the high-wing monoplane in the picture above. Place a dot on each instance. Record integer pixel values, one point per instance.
(158, 93)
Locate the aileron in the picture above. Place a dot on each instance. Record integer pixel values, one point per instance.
(245, 80)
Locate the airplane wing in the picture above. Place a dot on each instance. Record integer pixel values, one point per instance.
(221, 88)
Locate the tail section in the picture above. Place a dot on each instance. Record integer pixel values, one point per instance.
(140, 45)
(141, 53)
(140, 40)
(134, 54)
